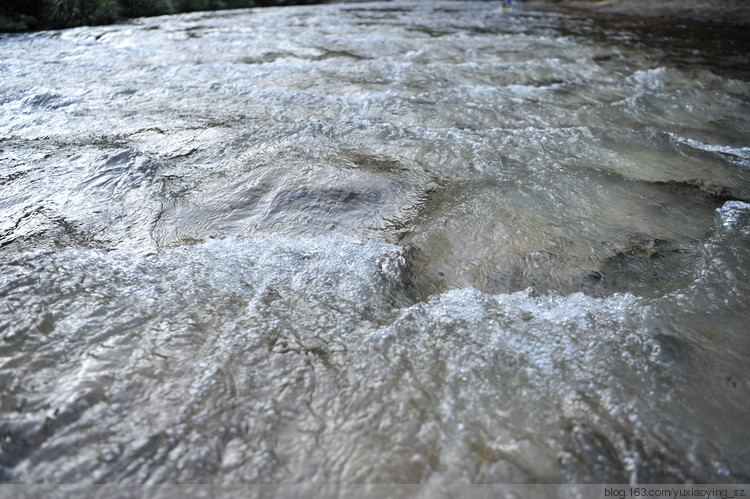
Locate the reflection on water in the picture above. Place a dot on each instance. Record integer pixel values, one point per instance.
(400, 242)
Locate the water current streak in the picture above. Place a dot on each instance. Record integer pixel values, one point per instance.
(398, 242)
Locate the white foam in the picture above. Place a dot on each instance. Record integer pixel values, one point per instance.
(734, 213)
(740, 152)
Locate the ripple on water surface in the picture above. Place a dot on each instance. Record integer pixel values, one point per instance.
(403, 242)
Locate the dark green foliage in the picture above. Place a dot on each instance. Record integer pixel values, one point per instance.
(11, 7)
(139, 8)
(70, 13)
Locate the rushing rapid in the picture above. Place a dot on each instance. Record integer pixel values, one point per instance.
(422, 242)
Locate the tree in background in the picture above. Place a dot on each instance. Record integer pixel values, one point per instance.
(69, 13)
(32, 14)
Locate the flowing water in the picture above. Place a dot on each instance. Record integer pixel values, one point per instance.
(422, 242)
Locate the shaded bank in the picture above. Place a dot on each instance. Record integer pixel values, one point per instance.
(729, 12)
(24, 15)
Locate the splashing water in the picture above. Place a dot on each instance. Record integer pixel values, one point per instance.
(387, 242)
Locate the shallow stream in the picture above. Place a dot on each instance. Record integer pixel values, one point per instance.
(428, 242)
